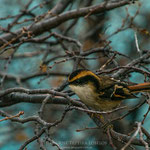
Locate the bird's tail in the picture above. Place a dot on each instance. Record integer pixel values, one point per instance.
(142, 87)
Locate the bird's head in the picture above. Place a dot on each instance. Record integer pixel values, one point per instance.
(83, 78)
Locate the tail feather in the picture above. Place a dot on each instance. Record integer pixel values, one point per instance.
(142, 87)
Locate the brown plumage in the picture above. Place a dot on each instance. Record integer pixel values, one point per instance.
(102, 92)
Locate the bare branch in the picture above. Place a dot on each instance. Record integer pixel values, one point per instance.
(48, 24)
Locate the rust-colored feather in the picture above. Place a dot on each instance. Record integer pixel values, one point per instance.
(142, 87)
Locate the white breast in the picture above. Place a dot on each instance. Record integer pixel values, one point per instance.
(85, 93)
(88, 97)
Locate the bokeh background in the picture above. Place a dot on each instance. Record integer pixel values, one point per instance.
(117, 26)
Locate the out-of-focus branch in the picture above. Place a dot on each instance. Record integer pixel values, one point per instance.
(125, 138)
(38, 74)
(60, 7)
(133, 63)
(46, 25)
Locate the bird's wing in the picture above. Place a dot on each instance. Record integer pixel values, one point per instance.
(114, 89)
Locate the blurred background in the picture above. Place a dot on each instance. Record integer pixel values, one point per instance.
(40, 65)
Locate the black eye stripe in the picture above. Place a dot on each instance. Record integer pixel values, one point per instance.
(85, 79)
(78, 81)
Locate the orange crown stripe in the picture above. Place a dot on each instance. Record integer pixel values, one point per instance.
(83, 74)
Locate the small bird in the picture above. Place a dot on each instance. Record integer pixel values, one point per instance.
(102, 92)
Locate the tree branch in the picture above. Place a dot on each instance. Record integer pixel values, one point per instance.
(46, 25)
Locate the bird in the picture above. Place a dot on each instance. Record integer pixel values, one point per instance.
(102, 93)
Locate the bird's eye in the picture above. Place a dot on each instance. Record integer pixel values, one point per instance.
(78, 81)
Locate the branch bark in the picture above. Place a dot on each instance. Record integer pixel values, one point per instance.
(49, 23)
